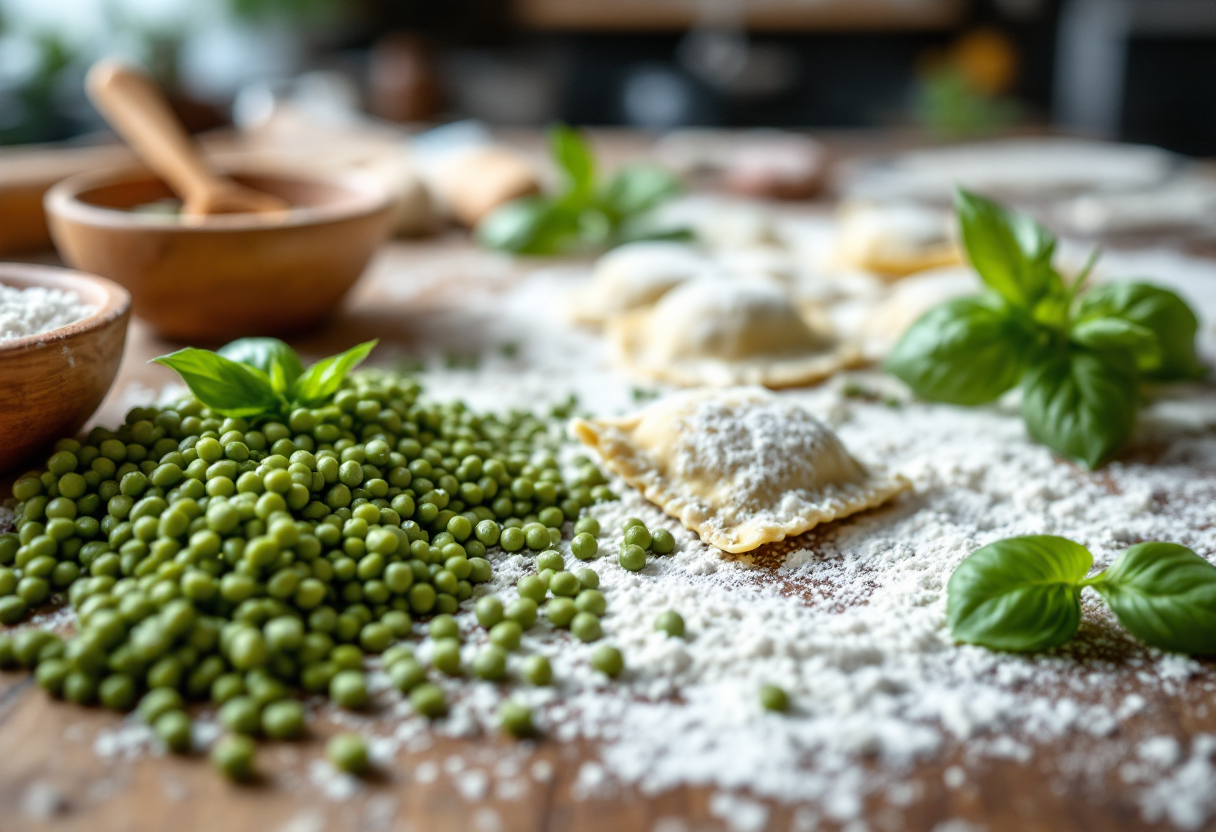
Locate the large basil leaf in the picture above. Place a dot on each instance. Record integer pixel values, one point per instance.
(531, 225)
(1158, 310)
(967, 351)
(639, 188)
(1018, 594)
(322, 380)
(1010, 251)
(1110, 333)
(1081, 404)
(1165, 595)
(228, 387)
(270, 355)
(574, 157)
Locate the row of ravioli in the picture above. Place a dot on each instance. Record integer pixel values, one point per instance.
(770, 300)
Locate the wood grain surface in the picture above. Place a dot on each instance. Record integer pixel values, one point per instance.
(51, 777)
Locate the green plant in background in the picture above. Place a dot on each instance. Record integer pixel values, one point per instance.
(947, 104)
(587, 213)
(35, 117)
(261, 376)
(1079, 357)
(1023, 594)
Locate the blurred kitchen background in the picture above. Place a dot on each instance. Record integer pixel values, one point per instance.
(1133, 70)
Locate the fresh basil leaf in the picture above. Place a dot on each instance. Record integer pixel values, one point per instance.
(1010, 251)
(1165, 595)
(1155, 309)
(322, 380)
(639, 188)
(270, 355)
(532, 225)
(1110, 333)
(574, 157)
(1018, 594)
(1082, 404)
(228, 387)
(967, 351)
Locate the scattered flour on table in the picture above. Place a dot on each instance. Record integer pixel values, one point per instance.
(35, 310)
(853, 626)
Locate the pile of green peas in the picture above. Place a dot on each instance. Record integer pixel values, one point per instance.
(638, 540)
(234, 561)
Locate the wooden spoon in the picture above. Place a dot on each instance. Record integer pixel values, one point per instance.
(139, 112)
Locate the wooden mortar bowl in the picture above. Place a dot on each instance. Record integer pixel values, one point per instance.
(211, 279)
(53, 382)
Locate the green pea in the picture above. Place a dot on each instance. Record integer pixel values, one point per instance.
(550, 559)
(587, 525)
(348, 753)
(585, 626)
(588, 578)
(173, 729)
(117, 692)
(584, 546)
(662, 542)
(670, 622)
(406, 674)
(564, 583)
(537, 670)
(241, 714)
(480, 570)
(513, 539)
(516, 719)
(488, 532)
(490, 663)
(608, 660)
(506, 634)
(531, 586)
(489, 611)
(774, 698)
(560, 612)
(429, 701)
(158, 702)
(592, 601)
(233, 756)
(550, 517)
(348, 689)
(536, 536)
(445, 656)
(283, 720)
(375, 637)
(638, 536)
(633, 558)
(51, 674)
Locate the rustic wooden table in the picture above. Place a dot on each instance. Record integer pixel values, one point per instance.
(50, 776)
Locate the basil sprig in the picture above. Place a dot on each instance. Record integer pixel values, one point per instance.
(586, 213)
(261, 376)
(1024, 594)
(1080, 358)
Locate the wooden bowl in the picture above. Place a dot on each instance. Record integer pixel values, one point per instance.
(53, 382)
(224, 276)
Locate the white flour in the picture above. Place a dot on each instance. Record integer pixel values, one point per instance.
(35, 310)
(853, 627)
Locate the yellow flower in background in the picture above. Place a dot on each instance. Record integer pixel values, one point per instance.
(987, 59)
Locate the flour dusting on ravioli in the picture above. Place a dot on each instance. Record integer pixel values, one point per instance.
(727, 331)
(741, 467)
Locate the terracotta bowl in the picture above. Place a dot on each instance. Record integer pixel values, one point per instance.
(53, 382)
(229, 275)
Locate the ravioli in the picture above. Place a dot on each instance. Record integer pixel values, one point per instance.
(894, 240)
(636, 275)
(722, 332)
(740, 467)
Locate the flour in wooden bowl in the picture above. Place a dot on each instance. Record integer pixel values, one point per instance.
(35, 310)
